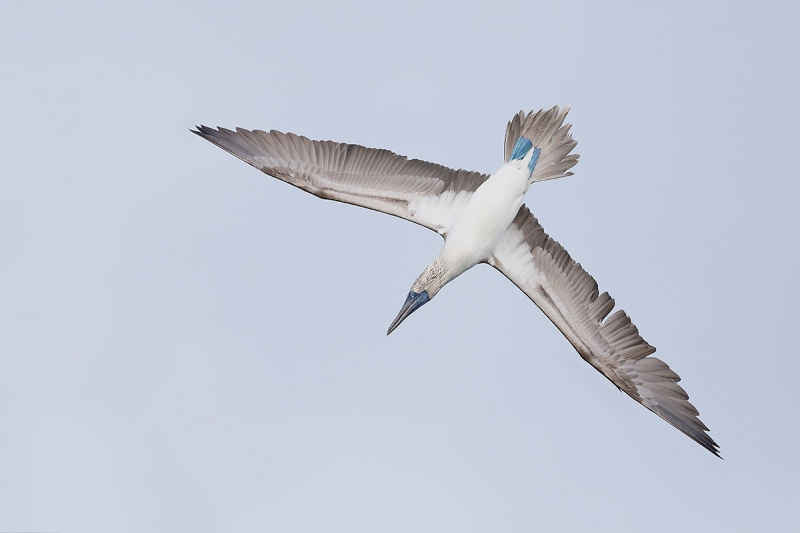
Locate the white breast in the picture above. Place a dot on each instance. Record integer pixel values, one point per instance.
(478, 228)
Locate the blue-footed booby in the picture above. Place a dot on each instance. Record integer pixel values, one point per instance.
(483, 220)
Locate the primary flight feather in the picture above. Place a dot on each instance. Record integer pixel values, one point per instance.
(483, 220)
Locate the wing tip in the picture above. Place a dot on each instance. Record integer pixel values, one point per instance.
(233, 142)
(206, 132)
(697, 434)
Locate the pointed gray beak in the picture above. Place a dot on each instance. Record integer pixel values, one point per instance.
(414, 301)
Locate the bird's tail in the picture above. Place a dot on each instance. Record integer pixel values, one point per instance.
(546, 130)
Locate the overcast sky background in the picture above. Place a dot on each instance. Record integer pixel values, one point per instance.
(187, 344)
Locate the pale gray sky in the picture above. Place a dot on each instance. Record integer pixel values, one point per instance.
(189, 345)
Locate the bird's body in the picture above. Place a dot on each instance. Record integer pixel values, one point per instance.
(478, 228)
(483, 220)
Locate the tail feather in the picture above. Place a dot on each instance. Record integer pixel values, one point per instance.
(546, 130)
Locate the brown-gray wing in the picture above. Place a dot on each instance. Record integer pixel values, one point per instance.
(419, 191)
(569, 296)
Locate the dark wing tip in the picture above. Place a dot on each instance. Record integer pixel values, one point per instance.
(206, 132)
(233, 142)
(692, 428)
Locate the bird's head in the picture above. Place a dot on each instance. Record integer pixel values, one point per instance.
(422, 291)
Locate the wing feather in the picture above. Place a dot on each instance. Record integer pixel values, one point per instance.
(419, 191)
(568, 295)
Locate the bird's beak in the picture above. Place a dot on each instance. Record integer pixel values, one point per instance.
(414, 301)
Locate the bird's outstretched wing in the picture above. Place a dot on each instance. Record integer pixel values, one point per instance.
(426, 193)
(568, 295)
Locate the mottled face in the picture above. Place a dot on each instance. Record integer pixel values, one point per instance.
(422, 291)
(431, 279)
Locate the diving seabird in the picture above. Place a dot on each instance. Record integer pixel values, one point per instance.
(483, 220)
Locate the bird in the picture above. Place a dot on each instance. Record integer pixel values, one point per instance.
(483, 219)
